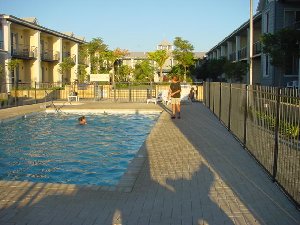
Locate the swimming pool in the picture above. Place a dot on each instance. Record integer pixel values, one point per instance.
(54, 148)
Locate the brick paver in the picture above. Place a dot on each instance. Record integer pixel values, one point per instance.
(189, 171)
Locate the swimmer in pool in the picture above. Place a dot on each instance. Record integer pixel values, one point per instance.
(82, 120)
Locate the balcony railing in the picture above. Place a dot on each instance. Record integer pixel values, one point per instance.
(242, 53)
(68, 54)
(257, 48)
(23, 51)
(50, 56)
(1, 45)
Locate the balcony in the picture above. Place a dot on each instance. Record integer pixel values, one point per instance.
(242, 53)
(50, 56)
(1, 45)
(66, 54)
(23, 51)
(257, 48)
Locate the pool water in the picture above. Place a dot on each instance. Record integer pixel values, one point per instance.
(54, 148)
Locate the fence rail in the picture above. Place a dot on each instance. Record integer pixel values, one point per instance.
(266, 120)
(30, 93)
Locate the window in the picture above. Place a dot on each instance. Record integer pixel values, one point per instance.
(267, 66)
(292, 19)
(267, 22)
(292, 66)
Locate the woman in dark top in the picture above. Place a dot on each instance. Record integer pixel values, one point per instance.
(174, 93)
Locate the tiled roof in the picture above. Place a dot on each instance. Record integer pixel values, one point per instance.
(165, 43)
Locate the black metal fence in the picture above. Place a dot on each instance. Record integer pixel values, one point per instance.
(30, 93)
(266, 121)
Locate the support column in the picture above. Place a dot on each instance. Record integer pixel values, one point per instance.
(229, 49)
(218, 53)
(36, 69)
(57, 77)
(248, 55)
(214, 55)
(7, 47)
(223, 51)
(237, 46)
(74, 51)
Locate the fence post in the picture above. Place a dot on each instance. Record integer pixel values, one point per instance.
(203, 93)
(213, 100)
(16, 97)
(209, 95)
(245, 114)
(129, 89)
(220, 100)
(35, 93)
(115, 91)
(229, 110)
(276, 134)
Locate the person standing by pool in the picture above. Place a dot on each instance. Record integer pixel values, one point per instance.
(82, 120)
(174, 93)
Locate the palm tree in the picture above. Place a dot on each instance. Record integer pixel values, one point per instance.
(160, 57)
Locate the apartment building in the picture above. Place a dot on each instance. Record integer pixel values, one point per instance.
(39, 50)
(135, 57)
(271, 16)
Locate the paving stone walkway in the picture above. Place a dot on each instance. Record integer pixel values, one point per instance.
(193, 172)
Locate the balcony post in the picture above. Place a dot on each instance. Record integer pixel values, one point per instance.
(229, 49)
(37, 63)
(237, 47)
(251, 44)
(75, 52)
(7, 47)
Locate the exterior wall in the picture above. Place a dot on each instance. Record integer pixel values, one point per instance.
(57, 46)
(31, 43)
(74, 52)
(270, 19)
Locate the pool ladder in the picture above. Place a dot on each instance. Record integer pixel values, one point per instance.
(56, 108)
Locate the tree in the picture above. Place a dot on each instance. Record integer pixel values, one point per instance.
(178, 70)
(113, 56)
(144, 71)
(160, 57)
(282, 47)
(1, 76)
(96, 50)
(81, 73)
(12, 64)
(215, 68)
(1, 73)
(124, 73)
(65, 65)
(112, 59)
(235, 70)
(183, 53)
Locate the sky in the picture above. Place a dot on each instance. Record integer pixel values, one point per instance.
(138, 25)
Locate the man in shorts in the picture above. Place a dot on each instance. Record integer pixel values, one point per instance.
(174, 93)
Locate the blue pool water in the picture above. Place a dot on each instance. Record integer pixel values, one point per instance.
(54, 148)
